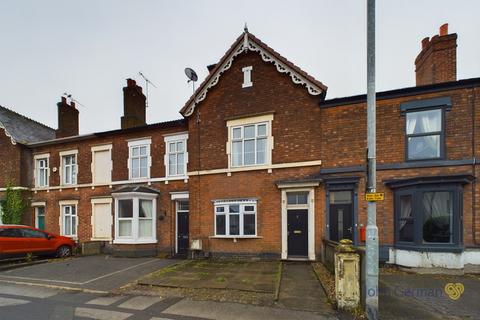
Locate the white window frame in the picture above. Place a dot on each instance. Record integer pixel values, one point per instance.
(236, 123)
(137, 143)
(134, 238)
(174, 138)
(107, 147)
(74, 178)
(68, 203)
(38, 170)
(242, 204)
(247, 77)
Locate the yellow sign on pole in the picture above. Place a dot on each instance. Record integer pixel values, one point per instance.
(375, 196)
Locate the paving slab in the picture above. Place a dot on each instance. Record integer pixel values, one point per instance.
(103, 273)
(237, 311)
(212, 274)
(421, 296)
(301, 290)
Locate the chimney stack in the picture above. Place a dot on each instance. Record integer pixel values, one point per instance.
(67, 119)
(437, 62)
(134, 105)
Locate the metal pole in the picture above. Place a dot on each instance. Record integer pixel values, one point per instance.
(371, 277)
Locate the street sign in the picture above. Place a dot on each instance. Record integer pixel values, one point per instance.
(375, 196)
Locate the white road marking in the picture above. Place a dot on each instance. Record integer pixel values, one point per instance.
(52, 286)
(31, 292)
(105, 301)
(6, 302)
(77, 283)
(140, 302)
(99, 314)
(155, 318)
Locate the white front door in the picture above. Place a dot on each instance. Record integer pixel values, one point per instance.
(102, 220)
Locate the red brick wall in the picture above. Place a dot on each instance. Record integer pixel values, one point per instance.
(296, 117)
(10, 164)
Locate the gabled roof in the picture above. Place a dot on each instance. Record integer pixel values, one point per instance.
(23, 130)
(248, 42)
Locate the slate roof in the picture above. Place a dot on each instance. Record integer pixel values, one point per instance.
(23, 130)
(142, 189)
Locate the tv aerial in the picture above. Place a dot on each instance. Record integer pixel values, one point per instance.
(147, 82)
(192, 77)
(69, 96)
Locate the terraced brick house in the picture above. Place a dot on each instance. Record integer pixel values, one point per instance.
(262, 164)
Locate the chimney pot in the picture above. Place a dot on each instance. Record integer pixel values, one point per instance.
(425, 42)
(64, 100)
(131, 83)
(444, 29)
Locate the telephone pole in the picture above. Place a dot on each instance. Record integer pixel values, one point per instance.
(371, 294)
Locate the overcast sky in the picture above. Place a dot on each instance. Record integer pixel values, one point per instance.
(89, 48)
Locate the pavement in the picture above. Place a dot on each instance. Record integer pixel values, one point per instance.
(100, 273)
(84, 288)
(24, 302)
(301, 290)
(421, 296)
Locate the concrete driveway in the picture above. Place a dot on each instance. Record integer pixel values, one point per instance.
(99, 273)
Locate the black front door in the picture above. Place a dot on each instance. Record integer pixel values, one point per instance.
(297, 232)
(182, 232)
(341, 224)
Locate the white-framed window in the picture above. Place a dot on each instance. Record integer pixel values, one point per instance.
(236, 218)
(42, 171)
(247, 77)
(250, 141)
(68, 218)
(69, 167)
(135, 218)
(139, 160)
(176, 155)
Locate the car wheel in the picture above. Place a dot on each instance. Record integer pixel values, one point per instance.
(64, 251)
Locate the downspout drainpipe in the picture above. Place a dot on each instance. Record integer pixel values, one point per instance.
(474, 182)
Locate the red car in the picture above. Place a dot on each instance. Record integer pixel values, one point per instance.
(18, 240)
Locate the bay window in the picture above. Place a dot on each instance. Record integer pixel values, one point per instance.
(236, 218)
(135, 214)
(428, 216)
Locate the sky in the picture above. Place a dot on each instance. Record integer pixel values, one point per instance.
(88, 48)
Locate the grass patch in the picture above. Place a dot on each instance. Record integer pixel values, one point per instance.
(221, 279)
(203, 275)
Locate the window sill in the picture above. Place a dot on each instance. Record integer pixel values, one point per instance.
(236, 237)
(133, 241)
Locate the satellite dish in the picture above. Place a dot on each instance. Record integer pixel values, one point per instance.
(191, 75)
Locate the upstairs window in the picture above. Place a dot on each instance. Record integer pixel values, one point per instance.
(249, 145)
(424, 134)
(176, 157)
(139, 159)
(41, 170)
(69, 168)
